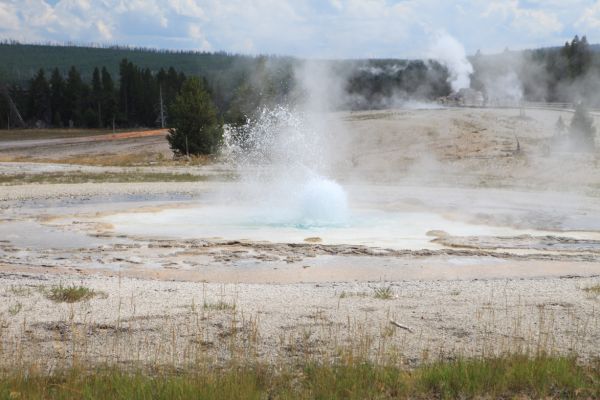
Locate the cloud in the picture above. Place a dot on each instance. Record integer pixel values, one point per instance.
(590, 18)
(188, 8)
(195, 33)
(532, 21)
(8, 17)
(104, 30)
(314, 28)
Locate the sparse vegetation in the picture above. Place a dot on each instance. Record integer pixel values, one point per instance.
(219, 306)
(505, 377)
(70, 294)
(595, 289)
(384, 293)
(15, 308)
(20, 291)
(344, 294)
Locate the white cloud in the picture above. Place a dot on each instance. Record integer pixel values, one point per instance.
(189, 8)
(532, 21)
(8, 17)
(195, 33)
(590, 18)
(104, 30)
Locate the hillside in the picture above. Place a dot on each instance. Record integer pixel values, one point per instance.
(20, 62)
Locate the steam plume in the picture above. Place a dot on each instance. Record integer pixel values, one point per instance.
(451, 54)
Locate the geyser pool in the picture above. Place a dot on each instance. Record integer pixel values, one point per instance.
(360, 226)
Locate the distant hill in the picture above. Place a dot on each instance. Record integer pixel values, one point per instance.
(224, 71)
(19, 62)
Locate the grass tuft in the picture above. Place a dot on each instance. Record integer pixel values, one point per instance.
(69, 294)
(593, 289)
(384, 293)
(219, 306)
(14, 309)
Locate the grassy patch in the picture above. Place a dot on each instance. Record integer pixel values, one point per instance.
(592, 289)
(384, 293)
(507, 377)
(70, 294)
(79, 177)
(14, 309)
(20, 291)
(345, 294)
(219, 306)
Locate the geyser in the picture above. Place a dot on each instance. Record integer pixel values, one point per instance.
(323, 202)
(281, 161)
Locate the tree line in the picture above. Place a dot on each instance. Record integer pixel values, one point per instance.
(139, 98)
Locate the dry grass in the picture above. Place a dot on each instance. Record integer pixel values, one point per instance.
(219, 306)
(15, 308)
(217, 351)
(595, 289)
(384, 293)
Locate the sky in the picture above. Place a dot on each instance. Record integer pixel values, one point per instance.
(303, 28)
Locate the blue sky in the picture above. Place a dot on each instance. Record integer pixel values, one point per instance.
(306, 28)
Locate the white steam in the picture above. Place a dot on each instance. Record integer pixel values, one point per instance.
(505, 90)
(283, 157)
(451, 54)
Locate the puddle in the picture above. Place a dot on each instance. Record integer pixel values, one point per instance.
(29, 234)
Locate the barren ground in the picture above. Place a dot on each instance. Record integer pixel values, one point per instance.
(509, 260)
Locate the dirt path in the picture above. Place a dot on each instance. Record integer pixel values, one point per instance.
(19, 144)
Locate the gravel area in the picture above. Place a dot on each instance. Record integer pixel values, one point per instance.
(175, 322)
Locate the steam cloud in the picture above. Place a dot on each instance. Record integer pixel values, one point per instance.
(451, 54)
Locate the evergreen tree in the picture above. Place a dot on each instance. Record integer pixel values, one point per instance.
(74, 95)
(582, 129)
(39, 98)
(126, 89)
(57, 98)
(96, 97)
(148, 99)
(109, 101)
(196, 126)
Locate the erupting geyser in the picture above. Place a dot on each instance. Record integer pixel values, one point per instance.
(280, 160)
(323, 202)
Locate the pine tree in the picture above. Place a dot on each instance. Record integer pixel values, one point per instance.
(39, 98)
(126, 89)
(74, 94)
(57, 98)
(109, 101)
(96, 97)
(582, 129)
(196, 126)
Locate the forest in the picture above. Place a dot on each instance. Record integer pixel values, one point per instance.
(95, 87)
